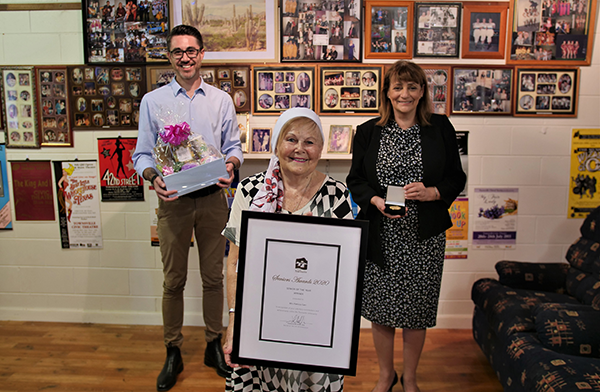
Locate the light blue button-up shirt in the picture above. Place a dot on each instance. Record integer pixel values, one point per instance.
(210, 113)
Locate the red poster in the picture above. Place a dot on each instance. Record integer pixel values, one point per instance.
(118, 180)
(32, 189)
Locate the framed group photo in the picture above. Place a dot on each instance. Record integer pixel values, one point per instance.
(479, 90)
(158, 76)
(546, 92)
(389, 29)
(19, 107)
(54, 111)
(260, 142)
(349, 89)
(484, 30)
(277, 89)
(551, 32)
(131, 31)
(437, 29)
(321, 30)
(233, 79)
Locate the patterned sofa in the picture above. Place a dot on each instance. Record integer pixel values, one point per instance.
(539, 324)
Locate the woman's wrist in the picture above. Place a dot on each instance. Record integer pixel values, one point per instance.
(436, 195)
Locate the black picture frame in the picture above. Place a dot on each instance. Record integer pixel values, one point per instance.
(131, 33)
(319, 31)
(324, 242)
(437, 30)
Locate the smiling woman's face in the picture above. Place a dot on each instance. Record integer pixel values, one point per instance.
(299, 147)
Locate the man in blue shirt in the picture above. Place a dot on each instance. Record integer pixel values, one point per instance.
(210, 113)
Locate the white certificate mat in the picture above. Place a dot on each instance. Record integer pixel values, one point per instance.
(298, 292)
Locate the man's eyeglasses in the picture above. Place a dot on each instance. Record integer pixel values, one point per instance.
(191, 53)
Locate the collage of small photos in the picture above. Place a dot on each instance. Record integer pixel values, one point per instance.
(437, 30)
(486, 90)
(130, 31)
(55, 126)
(438, 79)
(19, 109)
(106, 97)
(350, 89)
(545, 91)
(327, 30)
(233, 80)
(389, 29)
(279, 88)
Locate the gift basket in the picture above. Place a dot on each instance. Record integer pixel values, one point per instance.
(184, 159)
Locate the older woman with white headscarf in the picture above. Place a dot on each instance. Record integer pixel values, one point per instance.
(290, 185)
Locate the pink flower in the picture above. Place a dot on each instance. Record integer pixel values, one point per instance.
(166, 170)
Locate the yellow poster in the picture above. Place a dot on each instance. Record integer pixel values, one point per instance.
(458, 235)
(585, 164)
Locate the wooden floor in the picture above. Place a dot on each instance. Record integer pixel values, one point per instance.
(100, 357)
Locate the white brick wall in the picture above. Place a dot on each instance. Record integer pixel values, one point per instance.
(122, 282)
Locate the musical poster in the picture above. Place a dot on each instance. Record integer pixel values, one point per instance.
(118, 179)
(32, 190)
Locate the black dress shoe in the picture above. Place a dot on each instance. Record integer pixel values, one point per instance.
(214, 357)
(173, 366)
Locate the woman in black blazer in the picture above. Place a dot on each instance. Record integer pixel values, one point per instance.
(406, 146)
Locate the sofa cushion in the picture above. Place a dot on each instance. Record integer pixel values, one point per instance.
(584, 255)
(584, 286)
(590, 228)
(569, 329)
(533, 276)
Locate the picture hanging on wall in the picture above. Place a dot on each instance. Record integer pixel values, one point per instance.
(437, 29)
(340, 139)
(551, 32)
(321, 30)
(351, 90)
(261, 140)
(232, 31)
(279, 88)
(159, 76)
(53, 111)
(438, 83)
(105, 97)
(19, 107)
(233, 79)
(389, 29)
(127, 31)
(479, 90)
(547, 92)
(484, 30)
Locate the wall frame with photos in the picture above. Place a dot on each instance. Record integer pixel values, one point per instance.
(484, 30)
(546, 92)
(482, 90)
(437, 30)
(234, 79)
(278, 88)
(158, 76)
(549, 33)
(321, 30)
(243, 120)
(349, 90)
(439, 85)
(388, 29)
(260, 140)
(19, 107)
(340, 139)
(134, 32)
(106, 97)
(53, 111)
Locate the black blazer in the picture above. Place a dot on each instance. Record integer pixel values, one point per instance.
(441, 168)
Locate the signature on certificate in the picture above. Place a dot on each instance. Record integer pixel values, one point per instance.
(296, 320)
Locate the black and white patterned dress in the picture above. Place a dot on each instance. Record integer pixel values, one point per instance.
(405, 292)
(331, 200)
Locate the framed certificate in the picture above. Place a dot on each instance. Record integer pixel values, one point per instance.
(298, 292)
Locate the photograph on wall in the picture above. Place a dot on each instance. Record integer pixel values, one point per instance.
(585, 149)
(551, 32)
(159, 76)
(54, 110)
(321, 30)
(437, 29)
(480, 90)
(243, 120)
(484, 30)
(389, 29)
(457, 237)
(261, 140)
(19, 107)
(495, 220)
(78, 204)
(549, 92)
(32, 190)
(350, 90)
(231, 30)
(125, 31)
(105, 97)
(438, 82)
(118, 179)
(340, 139)
(233, 79)
(277, 89)
(5, 213)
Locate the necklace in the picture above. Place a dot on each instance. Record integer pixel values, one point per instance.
(303, 193)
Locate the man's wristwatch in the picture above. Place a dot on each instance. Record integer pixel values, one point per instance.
(153, 178)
